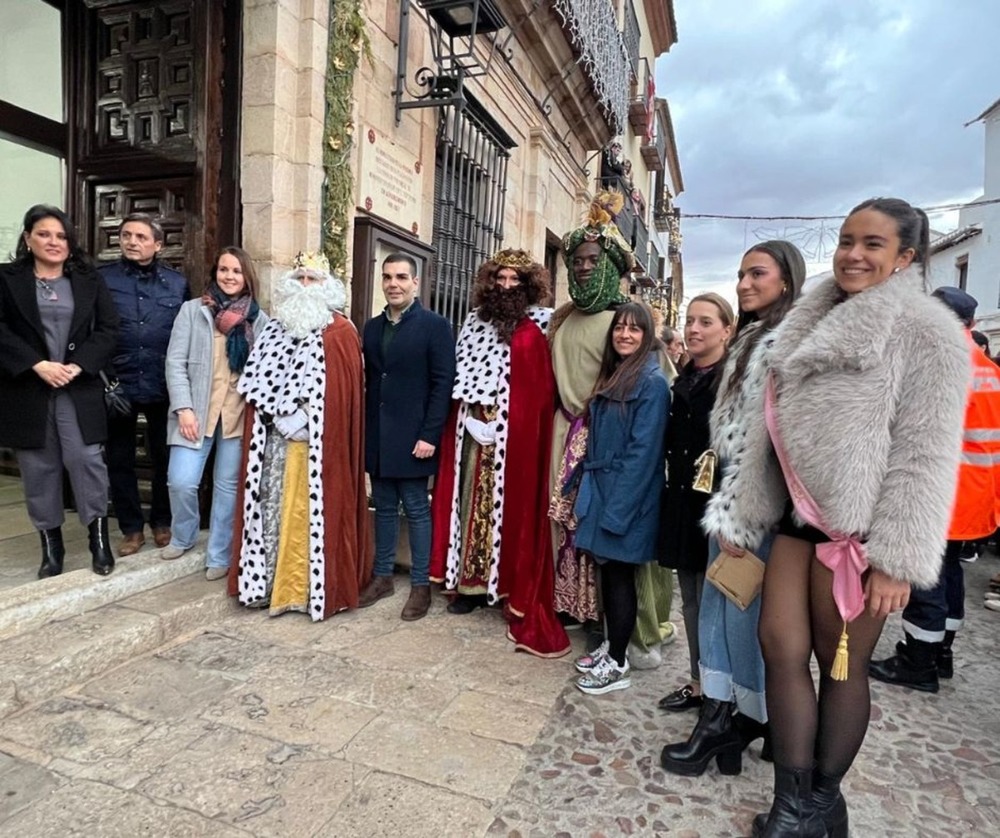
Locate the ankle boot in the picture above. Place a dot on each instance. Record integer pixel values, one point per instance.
(53, 553)
(793, 813)
(830, 803)
(714, 736)
(914, 666)
(749, 730)
(945, 661)
(102, 560)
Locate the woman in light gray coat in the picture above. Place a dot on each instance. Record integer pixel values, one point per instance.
(869, 379)
(208, 348)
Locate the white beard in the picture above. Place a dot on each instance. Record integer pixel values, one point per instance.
(302, 309)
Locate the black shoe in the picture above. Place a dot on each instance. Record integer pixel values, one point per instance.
(713, 737)
(830, 804)
(102, 560)
(466, 604)
(793, 812)
(679, 700)
(915, 666)
(53, 553)
(750, 730)
(945, 661)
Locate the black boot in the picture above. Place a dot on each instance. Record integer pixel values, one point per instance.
(914, 666)
(793, 813)
(53, 553)
(830, 804)
(945, 661)
(714, 736)
(749, 730)
(102, 560)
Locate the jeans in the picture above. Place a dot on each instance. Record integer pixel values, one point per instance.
(942, 608)
(120, 452)
(732, 666)
(387, 494)
(692, 584)
(184, 478)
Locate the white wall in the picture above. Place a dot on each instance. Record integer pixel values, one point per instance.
(982, 251)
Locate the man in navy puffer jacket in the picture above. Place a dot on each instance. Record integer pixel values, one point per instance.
(148, 295)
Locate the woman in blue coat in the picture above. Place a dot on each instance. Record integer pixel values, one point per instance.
(618, 501)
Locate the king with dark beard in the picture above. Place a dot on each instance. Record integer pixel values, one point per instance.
(491, 538)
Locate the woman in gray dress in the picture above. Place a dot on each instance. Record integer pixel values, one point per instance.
(58, 327)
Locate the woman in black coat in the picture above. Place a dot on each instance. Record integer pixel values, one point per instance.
(58, 327)
(683, 544)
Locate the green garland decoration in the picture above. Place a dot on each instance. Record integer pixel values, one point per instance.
(348, 42)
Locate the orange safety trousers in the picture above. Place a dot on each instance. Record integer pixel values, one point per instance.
(976, 512)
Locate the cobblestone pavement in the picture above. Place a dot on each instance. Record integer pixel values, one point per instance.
(366, 726)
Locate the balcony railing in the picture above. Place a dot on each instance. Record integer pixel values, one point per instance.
(632, 226)
(640, 106)
(630, 37)
(661, 215)
(592, 31)
(654, 153)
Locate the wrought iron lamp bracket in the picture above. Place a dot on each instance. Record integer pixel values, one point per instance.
(454, 54)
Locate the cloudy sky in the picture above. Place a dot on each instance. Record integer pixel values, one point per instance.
(807, 107)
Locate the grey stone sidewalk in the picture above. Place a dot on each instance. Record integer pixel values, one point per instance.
(234, 724)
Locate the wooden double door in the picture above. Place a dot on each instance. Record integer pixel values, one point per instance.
(153, 119)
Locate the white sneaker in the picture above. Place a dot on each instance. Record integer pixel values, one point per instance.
(969, 559)
(606, 676)
(991, 595)
(670, 638)
(642, 659)
(171, 552)
(993, 604)
(586, 662)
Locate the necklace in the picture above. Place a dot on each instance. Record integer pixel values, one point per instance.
(46, 290)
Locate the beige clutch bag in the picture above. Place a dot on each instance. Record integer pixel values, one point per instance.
(738, 577)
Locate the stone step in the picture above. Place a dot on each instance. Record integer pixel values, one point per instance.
(75, 592)
(58, 653)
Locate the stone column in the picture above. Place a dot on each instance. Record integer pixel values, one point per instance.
(281, 176)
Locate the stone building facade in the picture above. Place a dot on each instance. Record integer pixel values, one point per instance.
(358, 126)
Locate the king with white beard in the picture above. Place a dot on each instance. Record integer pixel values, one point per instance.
(303, 533)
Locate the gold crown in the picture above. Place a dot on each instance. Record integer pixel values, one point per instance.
(310, 261)
(511, 258)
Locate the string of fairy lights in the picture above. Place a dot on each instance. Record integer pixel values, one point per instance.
(817, 240)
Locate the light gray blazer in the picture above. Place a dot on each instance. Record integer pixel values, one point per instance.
(189, 366)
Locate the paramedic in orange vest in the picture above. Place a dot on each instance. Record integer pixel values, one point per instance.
(932, 617)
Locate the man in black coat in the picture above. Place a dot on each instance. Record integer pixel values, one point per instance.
(409, 371)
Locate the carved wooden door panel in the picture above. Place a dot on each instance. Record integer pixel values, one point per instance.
(169, 200)
(150, 113)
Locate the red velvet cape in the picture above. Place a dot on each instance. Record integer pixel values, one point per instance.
(526, 565)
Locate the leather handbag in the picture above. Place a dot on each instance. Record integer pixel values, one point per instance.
(115, 400)
(738, 577)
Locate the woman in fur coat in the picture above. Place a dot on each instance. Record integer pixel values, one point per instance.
(739, 518)
(866, 409)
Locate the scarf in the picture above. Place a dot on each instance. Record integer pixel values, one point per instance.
(230, 312)
(603, 290)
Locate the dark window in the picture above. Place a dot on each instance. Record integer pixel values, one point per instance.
(470, 186)
(962, 265)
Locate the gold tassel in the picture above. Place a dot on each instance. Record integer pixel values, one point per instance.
(839, 670)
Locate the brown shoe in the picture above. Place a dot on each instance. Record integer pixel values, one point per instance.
(378, 588)
(418, 603)
(161, 535)
(131, 543)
